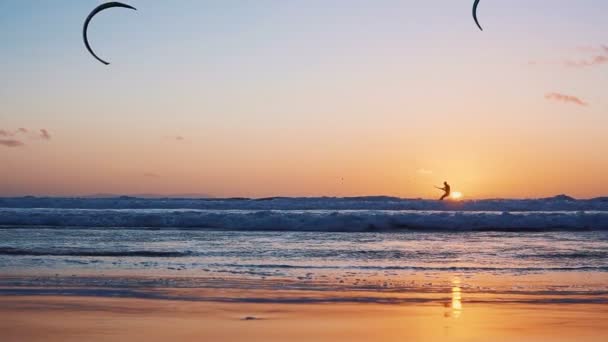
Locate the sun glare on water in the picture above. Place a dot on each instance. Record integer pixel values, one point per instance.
(456, 195)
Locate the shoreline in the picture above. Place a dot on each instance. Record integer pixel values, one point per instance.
(119, 284)
(75, 318)
(536, 288)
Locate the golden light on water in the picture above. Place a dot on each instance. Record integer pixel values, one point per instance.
(456, 298)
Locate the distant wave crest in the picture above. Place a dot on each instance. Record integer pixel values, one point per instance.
(556, 203)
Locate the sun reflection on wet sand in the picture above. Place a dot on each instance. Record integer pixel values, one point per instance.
(456, 298)
(65, 317)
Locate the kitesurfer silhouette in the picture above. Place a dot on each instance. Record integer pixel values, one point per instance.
(446, 188)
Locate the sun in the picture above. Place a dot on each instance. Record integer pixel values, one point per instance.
(456, 195)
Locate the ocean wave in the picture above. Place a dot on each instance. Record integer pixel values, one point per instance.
(422, 268)
(561, 202)
(567, 255)
(308, 220)
(90, 253)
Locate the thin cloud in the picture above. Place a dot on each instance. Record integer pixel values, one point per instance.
(596, 60)
(11, 143)
(151, 175)
(599, 57)
(424, 171)
(593, 49)
(541, 62)
(44, 134)
(565, 99)
(5, 133)
(14, 138)
(596, 55)
(175, 137)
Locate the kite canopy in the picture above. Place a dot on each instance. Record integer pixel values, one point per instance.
(88, 20)
(475, 14)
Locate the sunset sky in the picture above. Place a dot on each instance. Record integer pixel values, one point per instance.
(305, 98)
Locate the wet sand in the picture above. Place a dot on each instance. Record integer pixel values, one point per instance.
(102, 318)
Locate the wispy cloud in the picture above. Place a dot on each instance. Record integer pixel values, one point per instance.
(15, 137)
(424, 171)
(151, 175)
(44, 134)
(175, 137)
(596, 55)
(540, 62)
(599, 57)
(592, 49)
(595, 60)
(565, 98)
(11, 142)
(5, 133)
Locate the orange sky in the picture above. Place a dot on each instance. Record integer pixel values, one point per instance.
(315, 98)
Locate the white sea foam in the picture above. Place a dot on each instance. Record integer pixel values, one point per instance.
(320, 213)
(307, 220)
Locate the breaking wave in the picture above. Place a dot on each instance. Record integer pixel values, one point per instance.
(307, 220)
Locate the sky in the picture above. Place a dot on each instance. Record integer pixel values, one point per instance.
(305, 98)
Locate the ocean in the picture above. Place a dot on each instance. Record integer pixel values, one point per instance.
(378, 244)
